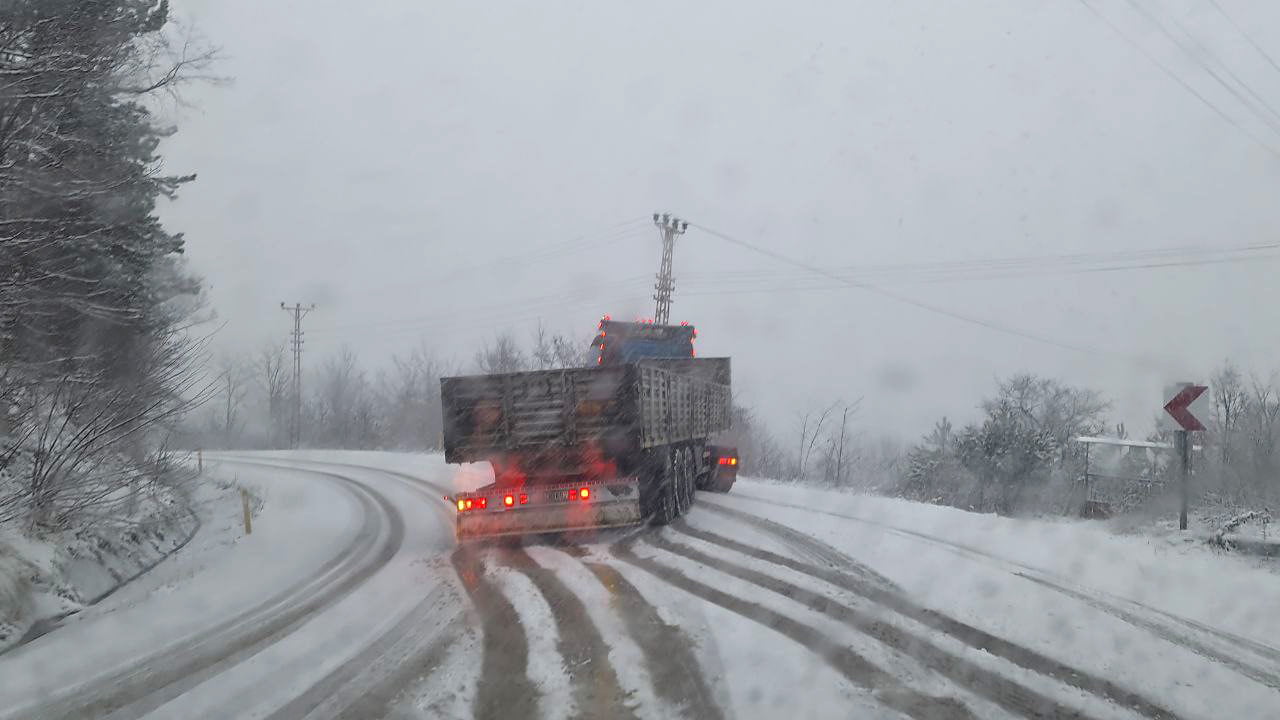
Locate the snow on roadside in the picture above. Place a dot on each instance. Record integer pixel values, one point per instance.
(982, 586)
(1189, 580)
(430, 466)
(216, 501)
(1092, 706)
(15, 595)
(304, 524)
(47, 578)
(546, 665)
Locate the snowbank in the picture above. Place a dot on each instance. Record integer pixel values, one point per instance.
(1170, 573)
(44, 579)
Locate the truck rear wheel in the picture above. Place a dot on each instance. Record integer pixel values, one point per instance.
(684, 487)
(665, 502)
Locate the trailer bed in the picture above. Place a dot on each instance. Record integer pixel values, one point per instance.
(617, 408)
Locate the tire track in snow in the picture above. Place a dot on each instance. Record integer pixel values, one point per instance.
(156, 679)
(597, 691)
(377, 701)
(987, 683)
(1164, 632)
(1096, 600)
(504, 666)
(677, 676)
(419, 656)
(974, 637)
(805, 544)
(887, 689)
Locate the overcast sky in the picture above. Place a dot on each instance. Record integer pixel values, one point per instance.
(434, 173)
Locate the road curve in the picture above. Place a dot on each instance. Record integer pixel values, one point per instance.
(401, 622)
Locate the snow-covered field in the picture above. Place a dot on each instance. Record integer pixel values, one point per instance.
(350, 599)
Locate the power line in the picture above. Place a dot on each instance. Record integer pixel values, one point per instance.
(619, 232)
(550, 299)
(721, 283)
(929, 273)
(1185, 85)
(613, 233)
(756, 288)
(524, 313)
(990, 325)
(1191, 52)
(1246, 35)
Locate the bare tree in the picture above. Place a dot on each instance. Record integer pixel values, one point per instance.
(271, 369)
(1229, 399)
(233, 386)
(410, 400)
(840, 444)
(338, 392)
(1263, 414)
(810, 436)
(87, 435)
(502, 355)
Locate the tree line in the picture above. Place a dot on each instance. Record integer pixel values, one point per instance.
(96, 362)
(1022, 456)
(348, 404)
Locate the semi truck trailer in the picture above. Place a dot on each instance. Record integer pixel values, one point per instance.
(626, 441)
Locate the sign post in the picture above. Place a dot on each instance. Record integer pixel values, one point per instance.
(1184, 476)
(1181, 403)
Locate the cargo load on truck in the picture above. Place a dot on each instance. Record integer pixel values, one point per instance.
(591, 447)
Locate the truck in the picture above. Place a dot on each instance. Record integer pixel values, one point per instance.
(625, 441)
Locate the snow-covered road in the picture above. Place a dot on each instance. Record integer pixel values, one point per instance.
(350, 599)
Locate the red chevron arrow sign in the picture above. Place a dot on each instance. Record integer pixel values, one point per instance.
(1181, 399)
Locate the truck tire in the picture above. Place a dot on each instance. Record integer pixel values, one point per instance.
(686, 480)
(665, 503)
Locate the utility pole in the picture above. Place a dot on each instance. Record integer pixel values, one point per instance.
(299, 311)
(670, 227)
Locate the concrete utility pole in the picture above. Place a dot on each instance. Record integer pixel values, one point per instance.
(670, 227)
(295, 343)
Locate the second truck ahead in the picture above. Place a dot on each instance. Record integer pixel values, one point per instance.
(626, 441)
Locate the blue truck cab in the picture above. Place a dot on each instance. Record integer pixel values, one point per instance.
(627, 342)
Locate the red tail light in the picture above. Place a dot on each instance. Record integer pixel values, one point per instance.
(469, 503)
(482, 502)
(584, 493)
(509, 500)
(728, 461)
(524, 499)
